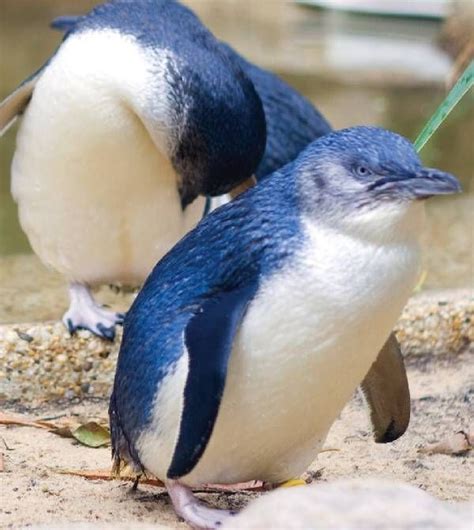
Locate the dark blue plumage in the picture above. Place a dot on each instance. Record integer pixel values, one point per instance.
(209, 339)
(65, 23)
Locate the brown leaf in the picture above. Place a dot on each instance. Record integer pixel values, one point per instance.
(253, 485)
(456, 444)
(64, 431)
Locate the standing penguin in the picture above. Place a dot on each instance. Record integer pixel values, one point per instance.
(138, 113)
(250, 336)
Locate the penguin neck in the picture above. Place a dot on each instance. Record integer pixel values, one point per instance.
(386, 224)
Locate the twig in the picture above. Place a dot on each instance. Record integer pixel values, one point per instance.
(105, 474)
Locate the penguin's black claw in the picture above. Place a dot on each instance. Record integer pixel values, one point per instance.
(104, 332)
(70, 326)
(120, 318)
(107, 333)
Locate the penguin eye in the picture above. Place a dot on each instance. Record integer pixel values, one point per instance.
(362, 171)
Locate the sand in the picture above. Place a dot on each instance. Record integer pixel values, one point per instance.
(48, 374)
(34, 491)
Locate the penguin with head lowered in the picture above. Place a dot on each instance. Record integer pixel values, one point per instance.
(250, 335)
(137, 116)
(139, 112)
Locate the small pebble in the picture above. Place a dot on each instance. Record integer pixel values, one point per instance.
(24, 336)
(87, 366)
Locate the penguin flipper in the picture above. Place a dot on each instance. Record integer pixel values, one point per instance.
(65, 23)
(209, 337)
(387, 393)
(15, 104)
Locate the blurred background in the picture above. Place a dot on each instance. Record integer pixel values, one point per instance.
(359, 61)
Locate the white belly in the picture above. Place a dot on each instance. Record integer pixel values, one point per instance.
(307, 341)
(97, 197)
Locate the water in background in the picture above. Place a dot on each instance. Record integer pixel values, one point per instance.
(355, 69)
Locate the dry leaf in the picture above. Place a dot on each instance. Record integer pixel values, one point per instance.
(456, 444)
(253, 485)
(92, 434)
(102, 474)
(293, 482)
(65, 431)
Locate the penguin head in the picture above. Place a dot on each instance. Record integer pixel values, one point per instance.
(365, 169)
(224, 137)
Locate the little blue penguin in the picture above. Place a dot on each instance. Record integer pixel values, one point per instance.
(292, 121)
(138, 114)
(252, 333)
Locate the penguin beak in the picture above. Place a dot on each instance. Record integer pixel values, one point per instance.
(425, 183)
(429, 182)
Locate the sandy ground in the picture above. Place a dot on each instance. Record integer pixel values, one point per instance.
(34, 491)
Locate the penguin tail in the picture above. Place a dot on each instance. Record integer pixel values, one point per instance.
(123, 454)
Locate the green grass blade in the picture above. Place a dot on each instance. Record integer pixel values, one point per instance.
(464, 83)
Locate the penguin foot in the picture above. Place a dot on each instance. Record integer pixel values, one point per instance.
(193, 511)
(292, 483)
(85, 313)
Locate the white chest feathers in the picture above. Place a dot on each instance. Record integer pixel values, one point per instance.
(96, 190)
(307, 340)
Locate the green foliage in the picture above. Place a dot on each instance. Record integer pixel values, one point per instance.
(463, 84)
